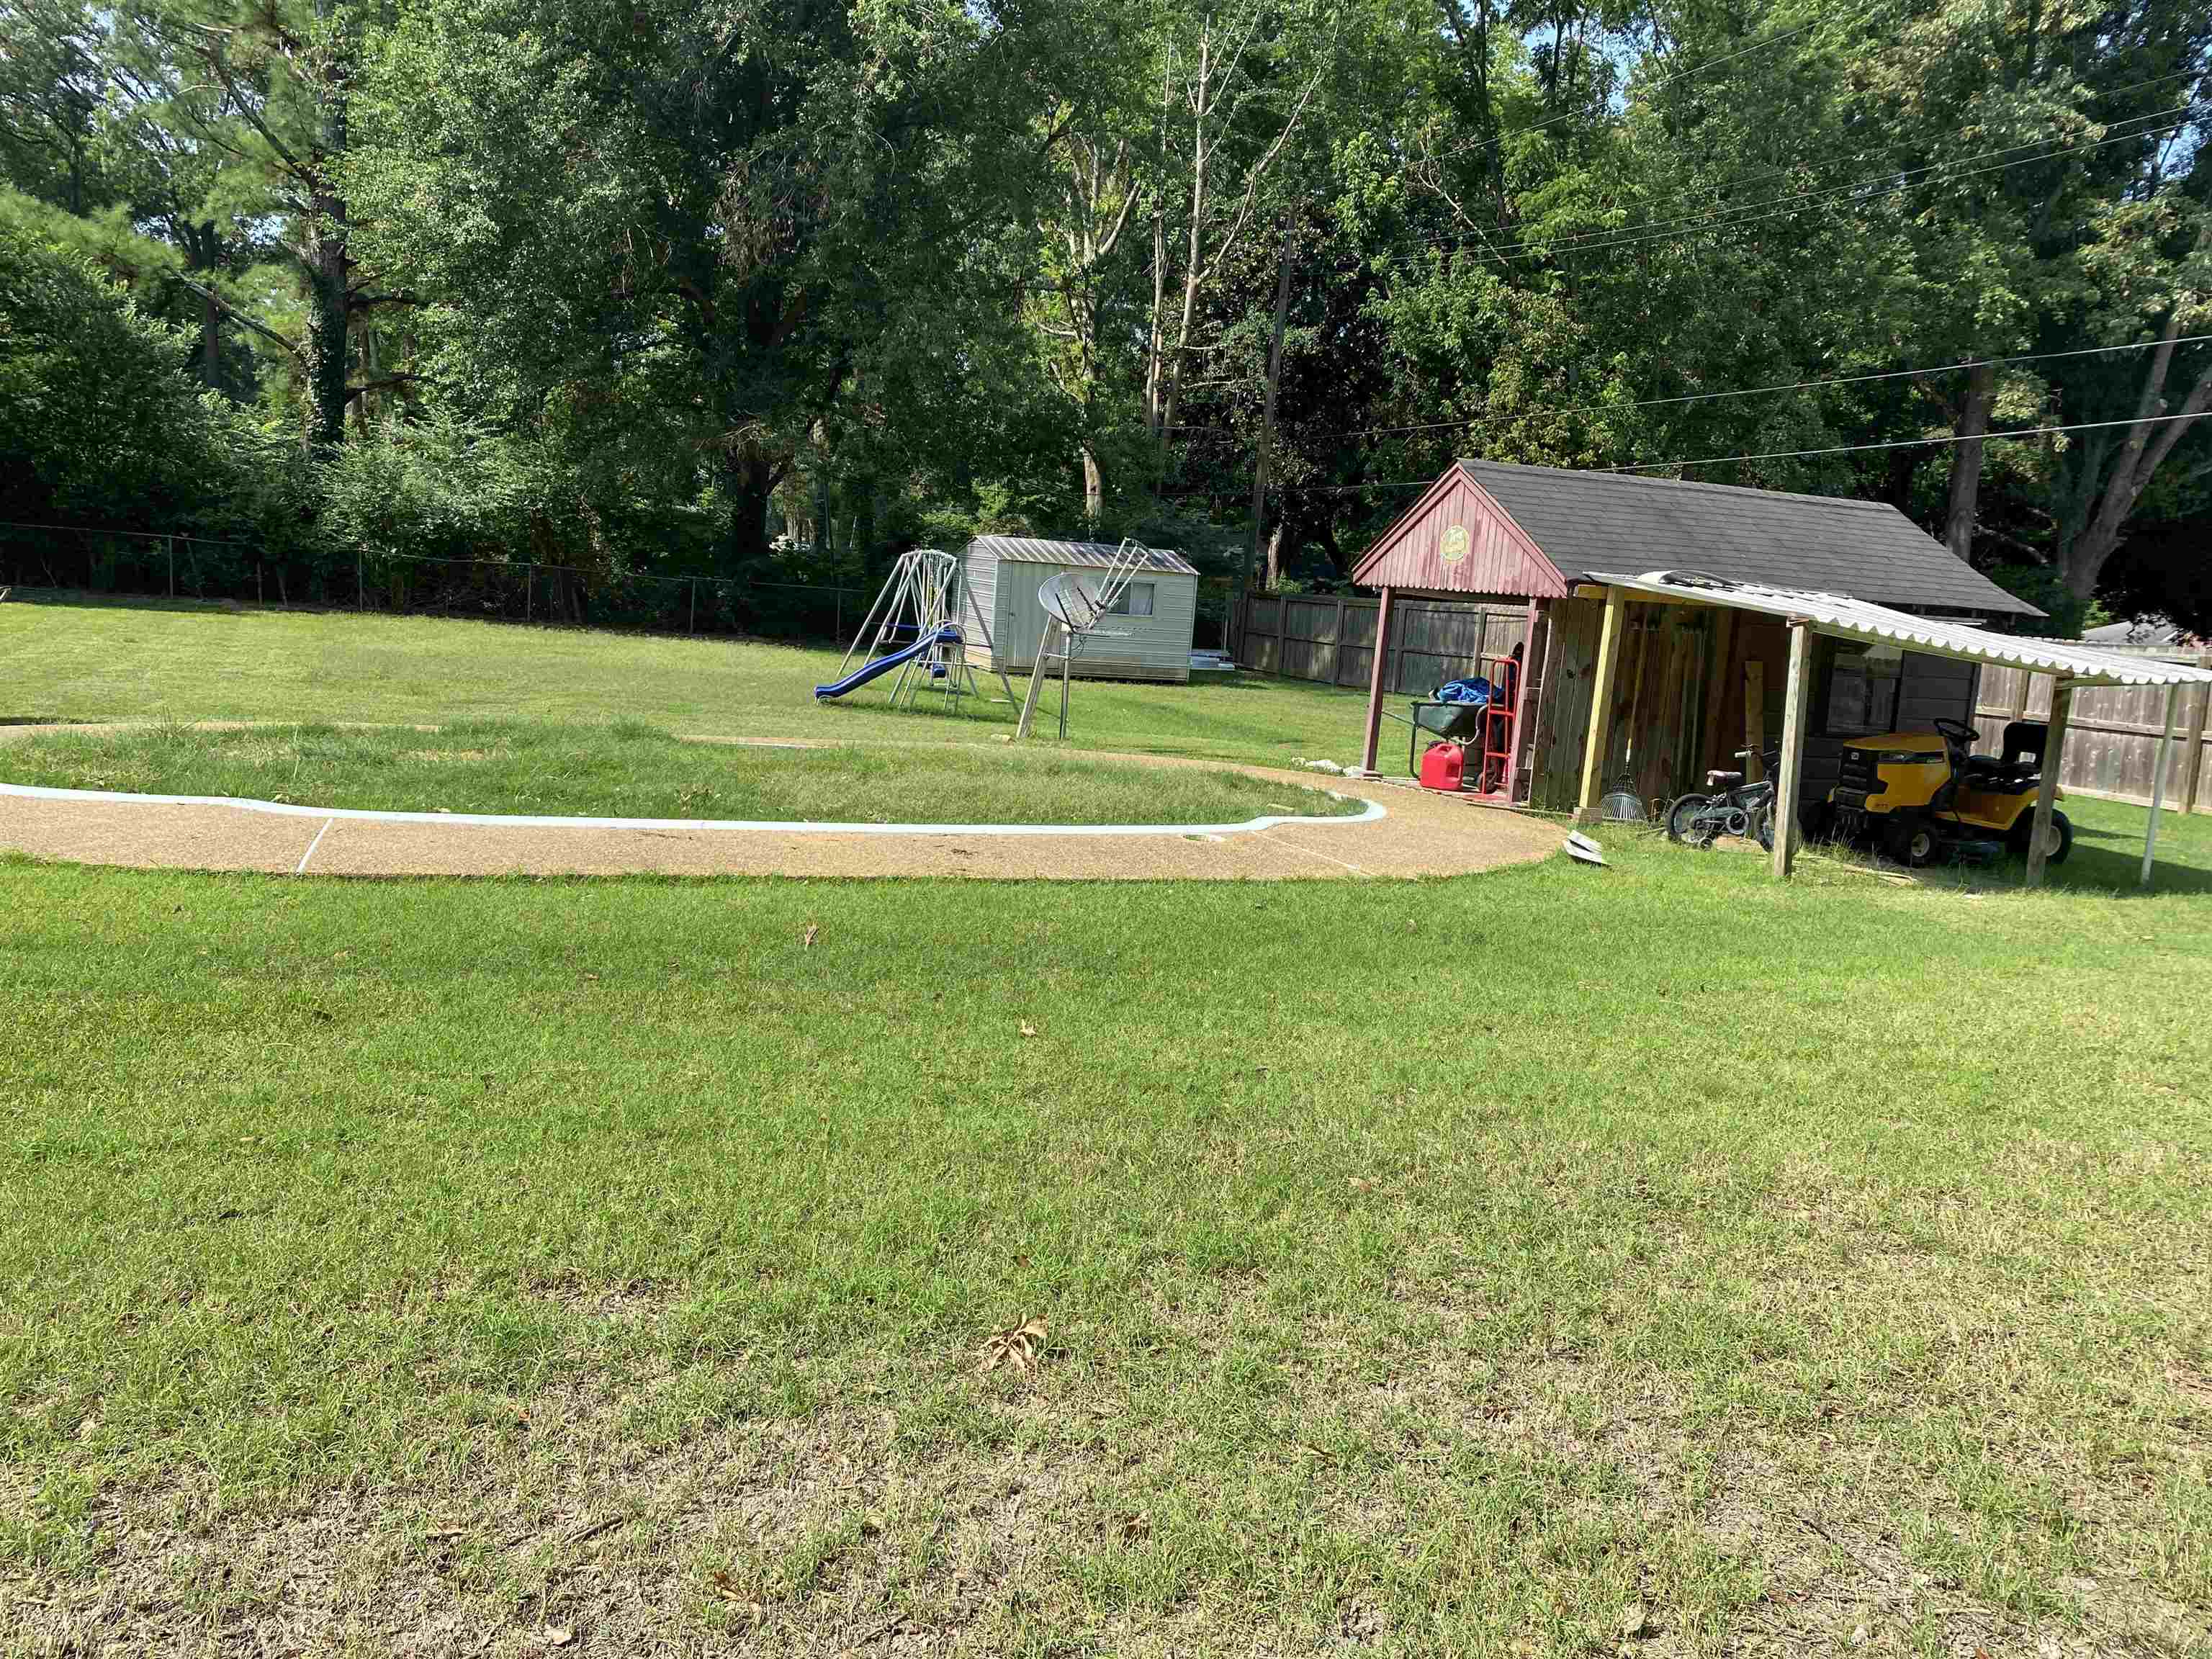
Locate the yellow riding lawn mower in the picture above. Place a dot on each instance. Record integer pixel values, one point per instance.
(1919, 796)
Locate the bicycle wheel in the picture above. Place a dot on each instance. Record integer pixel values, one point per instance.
(1762, 825)
(1683, 815)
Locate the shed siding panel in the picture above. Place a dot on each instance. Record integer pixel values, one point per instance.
(981, 570)
(1500, 558)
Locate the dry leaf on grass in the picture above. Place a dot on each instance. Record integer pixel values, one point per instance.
(807, 944)
(1021, 1347)
(1028, 1029)
(556, 1636)
(1361, 1184)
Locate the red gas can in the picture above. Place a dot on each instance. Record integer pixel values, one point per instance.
(1443, 766)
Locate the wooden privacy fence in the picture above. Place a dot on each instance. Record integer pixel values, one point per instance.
(2112, 732)
(1331, 639)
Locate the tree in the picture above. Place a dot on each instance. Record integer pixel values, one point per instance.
(2012, 128)
(2154, 257)
(100, 419)
(715, 215)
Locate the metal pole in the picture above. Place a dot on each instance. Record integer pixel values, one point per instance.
(837, 628)
(360, 584)
(529, 590)
(2158, 778)
(693, 627)
(169, 548)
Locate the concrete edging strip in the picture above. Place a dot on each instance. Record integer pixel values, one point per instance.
(1373, 810)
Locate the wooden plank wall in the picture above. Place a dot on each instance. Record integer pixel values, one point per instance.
(2112, 735)
(1330, 639)
(1563, 716)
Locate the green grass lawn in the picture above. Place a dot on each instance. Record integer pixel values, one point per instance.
(633, 770)
(1441, 1267)
(86, 657)
(561, 1267)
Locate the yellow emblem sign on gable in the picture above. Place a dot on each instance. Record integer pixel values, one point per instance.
(1454, 547)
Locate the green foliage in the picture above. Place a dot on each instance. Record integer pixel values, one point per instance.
(438, 489)
(99, 420)
(588, 280)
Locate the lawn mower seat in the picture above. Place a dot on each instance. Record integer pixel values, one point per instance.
(1722, 780)
(2022, 762)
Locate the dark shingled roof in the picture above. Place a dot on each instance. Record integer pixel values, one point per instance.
(1617, 521)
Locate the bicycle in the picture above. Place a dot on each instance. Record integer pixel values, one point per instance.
(1729, 807)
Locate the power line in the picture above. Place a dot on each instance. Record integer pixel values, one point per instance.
(1754, 391)
(1446, 238)
(1787, 454)
(1599, 242)
(1476, 148)
(1903, 443)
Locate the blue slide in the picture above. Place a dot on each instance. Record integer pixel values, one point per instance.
(859, 677)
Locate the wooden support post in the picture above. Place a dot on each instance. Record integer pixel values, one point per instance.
(1521, 682)
(1718, 680)
(2054, 755)
(1377, 684)
(1796, 703)
(1600, 717)
(2193, 771)
(2158, 777)
(1755, 720)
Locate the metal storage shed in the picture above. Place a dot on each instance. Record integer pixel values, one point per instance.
(1152, 626)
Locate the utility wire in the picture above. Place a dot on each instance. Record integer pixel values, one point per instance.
(1599, 242)
(1905, 443)
(1477, 148)
(1453, 238)
(1786, 454)
(1754, 391)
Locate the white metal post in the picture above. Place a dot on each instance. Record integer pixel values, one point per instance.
(2158, 777)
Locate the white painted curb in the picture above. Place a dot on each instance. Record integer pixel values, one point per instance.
(505, 821)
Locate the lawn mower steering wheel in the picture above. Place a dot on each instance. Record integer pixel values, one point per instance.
(1956, 731)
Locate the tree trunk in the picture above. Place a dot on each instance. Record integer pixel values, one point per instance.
(1094, 487)
(2150, 438)
(211, 340)
(1967, 461)
(747, 480)
(323, 350)
(1268, 416)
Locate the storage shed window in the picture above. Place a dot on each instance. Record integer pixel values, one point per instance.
(1134, 601)
(1862, 694)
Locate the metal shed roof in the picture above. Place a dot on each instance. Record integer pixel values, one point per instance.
(1588, 521)
(1095, 555)
(1844, 618)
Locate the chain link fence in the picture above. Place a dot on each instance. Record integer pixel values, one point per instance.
(181, 566)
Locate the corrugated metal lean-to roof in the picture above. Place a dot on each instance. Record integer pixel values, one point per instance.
(1844, 618)
(1096, 556)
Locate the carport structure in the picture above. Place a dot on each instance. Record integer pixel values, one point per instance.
(1808, 616)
